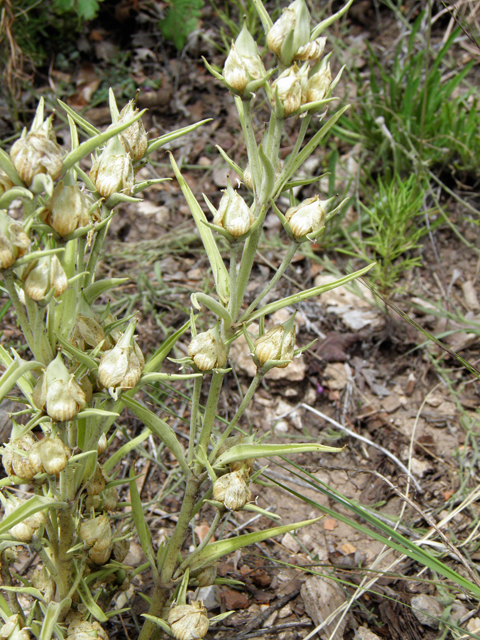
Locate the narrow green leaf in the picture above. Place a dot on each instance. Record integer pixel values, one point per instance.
(219, 269)
(126, 448)
(161, 429)
(27, 509)
(89, 602)
(140, 524)
(13, 374)
(156, 143)
(31, 591)
(263, 15)
(159, 622)
(14, 193)
(82, 123)
(54, 610)
(80, 355)
(304, 295)
(93, 291)
(247, 451)
(216, 550)
(7, 165)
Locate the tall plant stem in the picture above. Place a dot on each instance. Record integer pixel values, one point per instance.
(197, 387)
(281, 270)
(159, 599)
(245, 113)
(210, 413)
(233, 304)
(95, 253)
(211, 532)
(248, 258)
(241, 410)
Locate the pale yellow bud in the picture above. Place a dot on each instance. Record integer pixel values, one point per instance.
(67, 209)
(121, 367)
(95, 530)
(232, 490)
(54, 455)
(96, 484)
(318, 85)
(102, 444)
(277, 344)
(280, 30)
(234, 215)
(113, 170)
(208, 351)
(307, 217)
(14, 242)
(46, 273)
(37, 152)
(290, 32)
(188, 621)
(64, 396)
(289, 90)
(312, 50)
(134, 138)
(25, 530)
(15, 464)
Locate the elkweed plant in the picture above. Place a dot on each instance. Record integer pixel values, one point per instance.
(83, 367)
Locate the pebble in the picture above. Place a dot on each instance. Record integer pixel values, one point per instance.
(427, 610)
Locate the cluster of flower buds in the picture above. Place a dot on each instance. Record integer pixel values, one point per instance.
(53, 454)
(207, 350)
(24, 466)
(277, 346)
(306, 218)
(134, 138)
(14, 242)
(232, 489)
(294, 88)
(122, 366)
(57, 392)
(88, 333)
(13, 629)
(80, 629)
(43, 275)
(37, 152)
(188, 621)
(67, 209)
(99, 496)
(234, 215)
(25, 530)
(97, 534)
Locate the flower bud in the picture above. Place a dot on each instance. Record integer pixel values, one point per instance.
(319, 84)
(113, 170)
(23, 466)
(307, 217)
(88, 332)
(188, 621)
(234, 215)
(232, 490)
(207, 350)
(67, 209)
(41, 581)
(13, 624)
(312, 50)
(277, 344)
(64, 397)
(54, 455)
(80, 629)
(97, 483)
(121, 549)
(97, 534)
(122, 366)
(5, 183)
(14, 242)
(290, 32)
(45, 273)
(243, 63)
(102, 444)
(289, 90)
(37, 152)
(25, 530)
(134, 137)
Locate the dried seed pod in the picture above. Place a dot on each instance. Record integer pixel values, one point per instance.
(232, 490)
(41, 581)
(113, 171)
(97, 484)
(110, 499)
(13, 623)
(121, 549)
(24, 530)
(14, 242)
(64, 397)
(100, 552)
(188, 621)
(207, 350)
(54, 455)
(80, 629)
(37, 152)
(67, 209)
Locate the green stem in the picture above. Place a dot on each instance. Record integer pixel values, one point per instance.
(281, 270)
(233, 303)
(159, 599)
(19, 310)
(211, 532)
(64, 560)
(210, 413)
(197, 387)
(240, 411)
(245, 115)
(246, 264)
(95, 253)
(282, 179)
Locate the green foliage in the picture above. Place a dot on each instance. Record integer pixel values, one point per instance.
(182, 18)
(408, 112)
(84, 9)
(391, 231)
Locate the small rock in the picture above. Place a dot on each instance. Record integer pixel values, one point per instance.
(447, 408)
(210, 596)
(270, 621)
(427, 610)
(281, 426)
(458, 610)
(335, 376)
(434, 399)
(321, 598)
(290, 543)
(420, 467)
(470, 295)
(473, 625)
(364, 633)
(233, 599)
(285, 611)
(391, 403)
